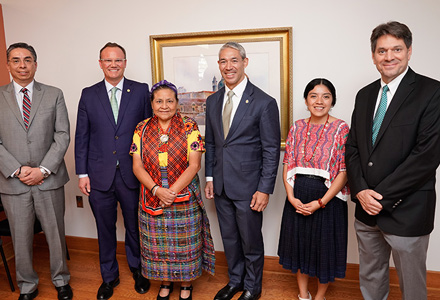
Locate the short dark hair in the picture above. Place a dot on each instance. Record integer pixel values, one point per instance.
(24, 46)
(318, 81)
(112, 45)
(394, 28)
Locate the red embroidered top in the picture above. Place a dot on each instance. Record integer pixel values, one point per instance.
(317, 153)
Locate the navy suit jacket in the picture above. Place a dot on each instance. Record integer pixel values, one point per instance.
(100, 142)
(402, 164)
(247, 160)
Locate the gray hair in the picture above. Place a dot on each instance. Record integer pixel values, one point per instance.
(235, 46)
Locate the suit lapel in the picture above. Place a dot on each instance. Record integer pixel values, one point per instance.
(37, 98)
(403, 91)
(9, 95)
(125, 100)
(218, 111)
(243, 106)
(371, 105)
(105, 102)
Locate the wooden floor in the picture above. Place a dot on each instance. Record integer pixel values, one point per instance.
(85, 280)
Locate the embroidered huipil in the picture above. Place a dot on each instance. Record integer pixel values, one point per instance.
(317, 153)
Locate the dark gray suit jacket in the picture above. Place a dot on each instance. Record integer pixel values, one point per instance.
(247, 161)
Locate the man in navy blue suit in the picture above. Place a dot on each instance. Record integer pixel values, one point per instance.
(108, 113)
(242, 155)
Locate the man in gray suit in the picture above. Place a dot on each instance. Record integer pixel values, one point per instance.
(34, 136)
(242, 154)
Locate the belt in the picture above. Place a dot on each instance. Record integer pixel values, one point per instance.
(311, 176)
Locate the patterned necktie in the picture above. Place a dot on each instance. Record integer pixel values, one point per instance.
(114, 104)
(26, 107)
(227, 113)
(380, 113)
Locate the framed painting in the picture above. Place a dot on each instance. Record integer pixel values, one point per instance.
(189, 60)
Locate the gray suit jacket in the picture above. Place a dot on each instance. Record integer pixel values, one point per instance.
(43, 144)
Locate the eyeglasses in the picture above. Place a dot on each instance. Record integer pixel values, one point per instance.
(118, 61)
(17, 61)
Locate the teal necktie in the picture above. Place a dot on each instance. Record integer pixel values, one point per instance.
(114, 104)
(380, 113)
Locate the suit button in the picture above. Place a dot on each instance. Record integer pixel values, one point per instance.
(114, 152)
(370, 164)
(116, 137)
(225, 146)
(29, 142)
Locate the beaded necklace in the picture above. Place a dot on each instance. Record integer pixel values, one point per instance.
(317, 142)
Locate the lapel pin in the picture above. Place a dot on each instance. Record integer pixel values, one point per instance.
(128, 90)
(247, 101)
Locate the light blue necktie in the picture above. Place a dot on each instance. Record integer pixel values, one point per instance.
(114, 104)
(380, 113)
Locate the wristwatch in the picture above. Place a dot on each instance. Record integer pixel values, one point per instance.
(45, 172)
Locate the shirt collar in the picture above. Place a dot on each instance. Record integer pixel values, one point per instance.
(394, 84)
(109, 86)
(239, 89)
(18, 87)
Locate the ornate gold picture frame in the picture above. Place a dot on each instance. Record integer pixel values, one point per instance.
(189, 60)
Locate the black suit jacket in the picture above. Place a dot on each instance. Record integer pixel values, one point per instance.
(247, 160)
(402, 164)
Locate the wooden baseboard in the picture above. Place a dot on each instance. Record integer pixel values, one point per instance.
(270, 262)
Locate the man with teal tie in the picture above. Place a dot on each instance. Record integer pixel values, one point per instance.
(392, 153)
(108, 113)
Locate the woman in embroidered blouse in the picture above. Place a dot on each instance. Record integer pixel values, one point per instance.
(176, 242)
(313, 238)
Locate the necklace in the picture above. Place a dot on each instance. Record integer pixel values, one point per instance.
(164, 135)
(317, 142)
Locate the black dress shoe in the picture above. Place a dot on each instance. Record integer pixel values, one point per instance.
(227, 292)
(248, 296)
(168, 287)
(186, 288)
(64, 292)
(106, 289)
(29, 296)
(141, 284)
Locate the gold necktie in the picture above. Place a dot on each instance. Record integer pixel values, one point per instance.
(227, 113)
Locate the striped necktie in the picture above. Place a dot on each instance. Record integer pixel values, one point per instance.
(380, 113)
(26, 107)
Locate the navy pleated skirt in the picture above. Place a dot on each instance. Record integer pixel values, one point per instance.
(315, 245)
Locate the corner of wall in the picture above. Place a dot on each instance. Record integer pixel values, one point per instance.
(4, 74)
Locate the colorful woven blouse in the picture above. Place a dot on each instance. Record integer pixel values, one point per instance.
(317, 153)
(184, 138)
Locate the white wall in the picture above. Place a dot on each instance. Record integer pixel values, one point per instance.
(330, 39)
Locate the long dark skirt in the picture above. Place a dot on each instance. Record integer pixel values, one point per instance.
(316, 244)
